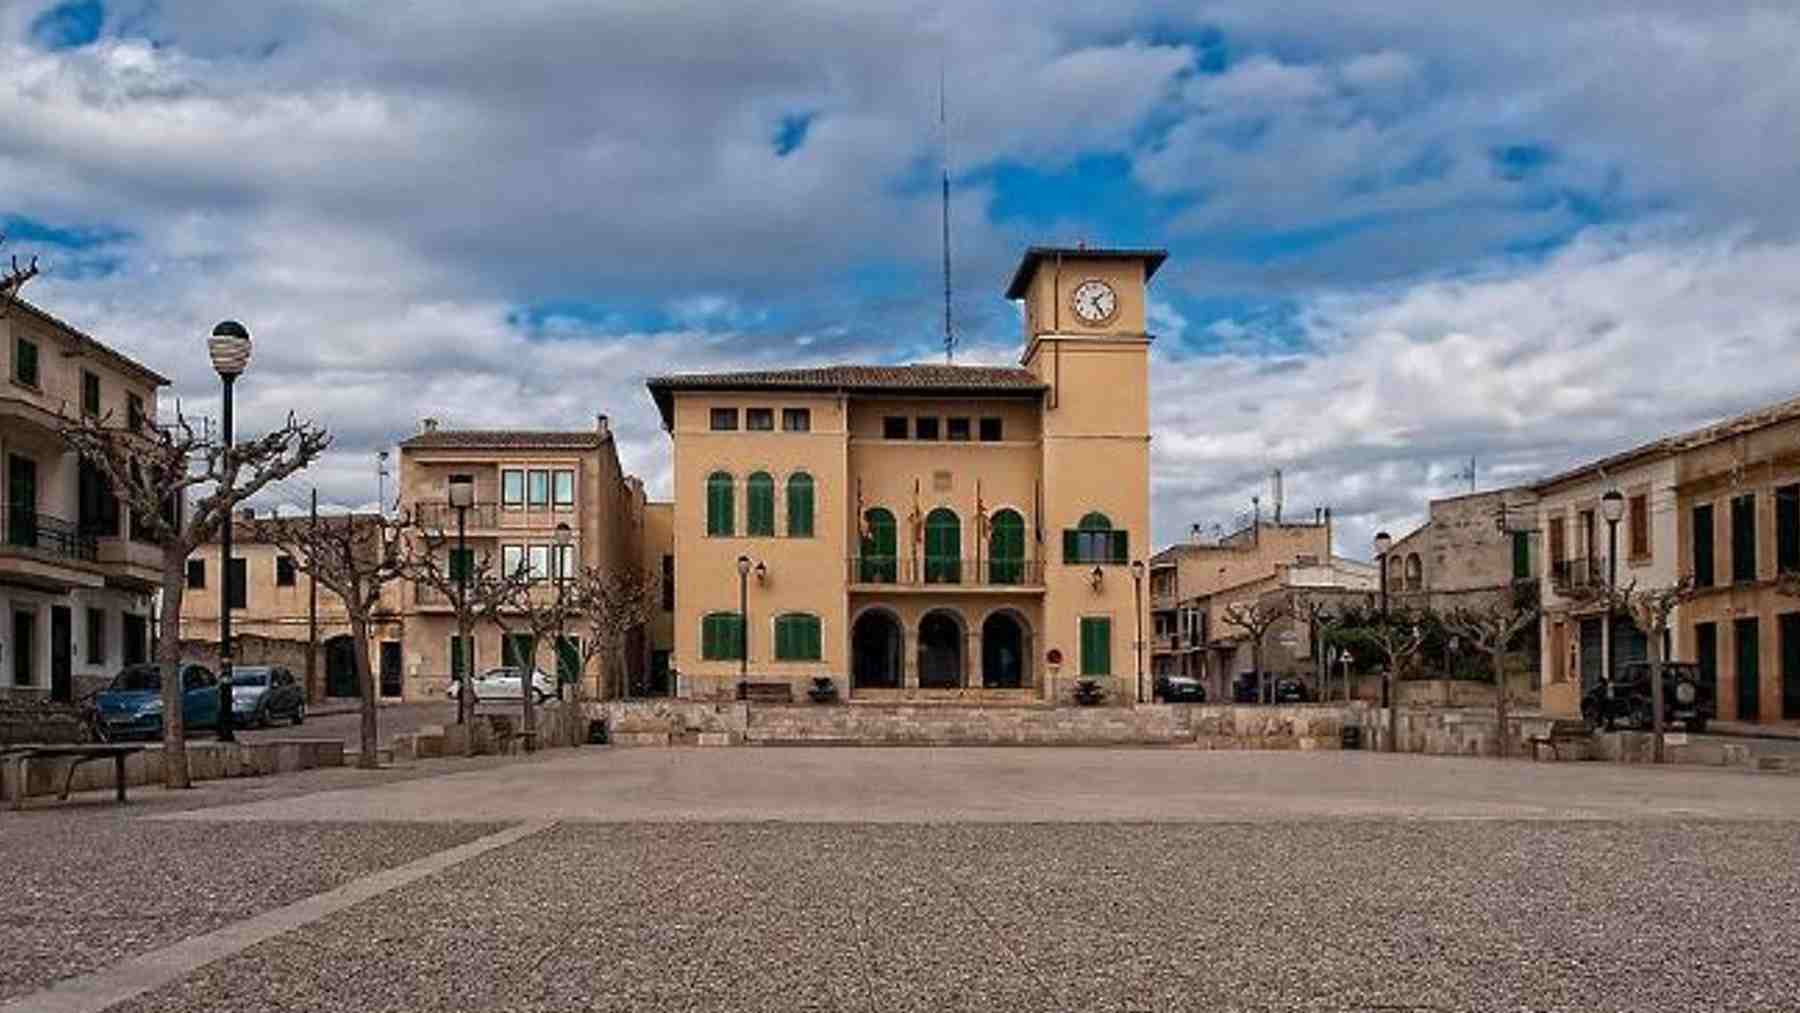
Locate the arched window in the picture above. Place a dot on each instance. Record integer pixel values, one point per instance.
(721, 511)
(943, 547)
(1095, 540)
(800, 505)
(759, 492)
(1006, 548)
(1415, 573)
(797, 637)
(722, 636)
(878, 564)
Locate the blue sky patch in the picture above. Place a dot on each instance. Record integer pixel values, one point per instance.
(790, 133)
(69, 25)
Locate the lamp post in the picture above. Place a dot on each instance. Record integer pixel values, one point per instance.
(743, 644)
(1137, 594)
(1384, 543)
(1612, 508)
(462, 497)
(229, 348)
(563, 535)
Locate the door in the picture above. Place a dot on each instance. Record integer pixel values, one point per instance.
(21, 501)
(1006, 548)
(1706, 655)
(390, 668)
(24, 644)
(1592, 635)
(879, 545)
(1749, 674)
(340, 667)
(62, 654)
(1628, 645)
(659, 674)
(137, 639)
(1790, 666)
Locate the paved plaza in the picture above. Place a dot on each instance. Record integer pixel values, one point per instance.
(917, 879)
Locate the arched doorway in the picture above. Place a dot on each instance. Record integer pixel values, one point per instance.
(340, 667)
(1006, 548)
(940, 651)
(943, 547)
(876, 661)
(1005, 651)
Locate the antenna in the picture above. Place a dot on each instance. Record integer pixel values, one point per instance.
(944, 132)
(1468, 473)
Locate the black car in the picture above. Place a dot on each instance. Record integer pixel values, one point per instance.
(1246, 688)
(1180, 689)
(1687, 698)
(1289, 689)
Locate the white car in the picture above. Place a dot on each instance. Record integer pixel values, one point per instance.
(505, 684)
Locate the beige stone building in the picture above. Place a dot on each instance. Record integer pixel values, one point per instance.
(928, 530)
(76, 580)
(1469, 548)
(1291, 646)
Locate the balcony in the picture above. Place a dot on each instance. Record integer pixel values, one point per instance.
(39, 535)
(443, 515)
(943, 573)
(1577, 574)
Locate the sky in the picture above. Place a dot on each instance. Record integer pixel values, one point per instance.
(1529, 233)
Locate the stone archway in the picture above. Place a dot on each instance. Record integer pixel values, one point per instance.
(940, 650)
(877, 654)
(1005, 651)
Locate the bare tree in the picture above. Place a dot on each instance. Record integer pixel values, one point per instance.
(13, 278)
(1788, 582)
(1651, 610)
(1256, 619)
(1398, 636)
(475, 589)
(611, 604)
(523, 605)
(1322, 619)
(354, 556)
(153, 469)
(1491, 629)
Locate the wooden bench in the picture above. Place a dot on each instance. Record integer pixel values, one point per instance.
(1562, 733)
(766, 692)
(19, 759)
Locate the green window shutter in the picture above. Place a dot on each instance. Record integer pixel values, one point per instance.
(1071, 545)
(719, 505)
(1521, 555)
(709, 638)
(459, 663)
(568, 659)
(1121, 546)
(800, 506)
(1096, 646)
(1006, 548)
(760, 490)
(812, 645)
(738, 640)
(783, 635)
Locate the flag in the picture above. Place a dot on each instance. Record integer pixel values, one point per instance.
(917, 519)
(862, 515)
(981, 517)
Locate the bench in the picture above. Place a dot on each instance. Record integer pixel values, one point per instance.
(1562, 733)
(19, 759)
(766, 692)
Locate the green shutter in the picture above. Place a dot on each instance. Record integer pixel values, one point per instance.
(459, 664)
(1096, 646)
(1121, 546)
(568, 659)
(943, 547)
(1071, 545)
(760, 492)
(719, 505)
(1006, 548)
(800, 506)
(519, 650)
(1521, 555)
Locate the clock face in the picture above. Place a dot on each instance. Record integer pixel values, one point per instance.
(1094, 302)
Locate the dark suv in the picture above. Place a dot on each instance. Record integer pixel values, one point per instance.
(1687, 698)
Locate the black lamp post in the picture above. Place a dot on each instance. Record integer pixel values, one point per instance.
(1137, 592)
(1612, 508)
(1383, 543)
(563, 535)
(462, 497)
(743, 644)
(229, 348)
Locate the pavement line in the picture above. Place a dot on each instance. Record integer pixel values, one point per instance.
(128, 979)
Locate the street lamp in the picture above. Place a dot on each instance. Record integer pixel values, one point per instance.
(462, 497)
(1612, 508)
(743, 644)
(1383, 543)
(563, 535)
(1137, 591)
(229, 348)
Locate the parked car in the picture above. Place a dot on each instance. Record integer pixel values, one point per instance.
(1246, 688)
(131, 706)
(262, 693)
(1290, 689)
(1180, 689)
(505, 684)
(1688, 698)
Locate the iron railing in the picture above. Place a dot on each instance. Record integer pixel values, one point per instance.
(443, 515)
(33, 533)
(1578, 573)
(948, 571)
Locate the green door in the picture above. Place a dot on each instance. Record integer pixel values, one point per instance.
(21, 501)
(1096, 646)
(878, 564)
(1006, 548)
(1749, 674)
(943, 547)
(1790, 666)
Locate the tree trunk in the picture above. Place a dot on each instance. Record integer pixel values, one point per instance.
(527, 691)
(365, 684)
(1393, 702)
(168, 656)
(1656, 695)
(465, 628)
(1505, 741)
(1262, 679)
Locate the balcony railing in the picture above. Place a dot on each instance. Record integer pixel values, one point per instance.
(29, 532)
(543, 592)
(948, 571)
(443, 515)
(1567, 574)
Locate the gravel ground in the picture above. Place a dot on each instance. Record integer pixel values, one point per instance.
(1323, 915)
(84, 890)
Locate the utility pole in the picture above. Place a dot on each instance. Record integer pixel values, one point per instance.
(312, 617)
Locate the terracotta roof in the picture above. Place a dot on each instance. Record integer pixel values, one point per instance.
(1736, 425)
(88, 342)
(1035, 255)
(936, 378)
(508, 439)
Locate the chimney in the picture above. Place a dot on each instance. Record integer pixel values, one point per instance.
(428, 425)
(1194, 533)
(602, 424)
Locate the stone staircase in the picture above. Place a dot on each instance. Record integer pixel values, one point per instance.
(937, 725)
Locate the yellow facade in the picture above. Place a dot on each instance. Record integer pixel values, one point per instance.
(981, 470)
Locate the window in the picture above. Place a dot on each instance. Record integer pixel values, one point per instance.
(518, 650)
(1096, 646)
(564, 487)
(878, 564)
(537, 489)
(668, 583)
(539, 558)
(1094, 540)
(1006, 548)
(1639, 522)
(722, 637)
(992, 431)
(943, 547)
(237, 583)
(96, 506)
(1743, 538)
(90, 393)
(462, 564)
(25, 362)
(1787, 530)
(1703, 545)
(724, 419)
(1559, 544)
(196, 574)
(134, 411)
(96, 636)
(797, 637)
(800, 505)
(1521, 554)
(512, 560)
(512, 488)
(284, 571)
(759, 492)
(925, 428)
(893, 427)
(462, 655)
(761, 420)
(721, 511)
(957, 429)
(796, 420)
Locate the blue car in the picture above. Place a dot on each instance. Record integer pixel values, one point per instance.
(132, 708)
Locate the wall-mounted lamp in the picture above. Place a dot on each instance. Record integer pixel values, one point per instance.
(762, 572)
(1097, 578)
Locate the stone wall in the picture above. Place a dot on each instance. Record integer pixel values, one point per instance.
(206, 761)
(255, 649)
